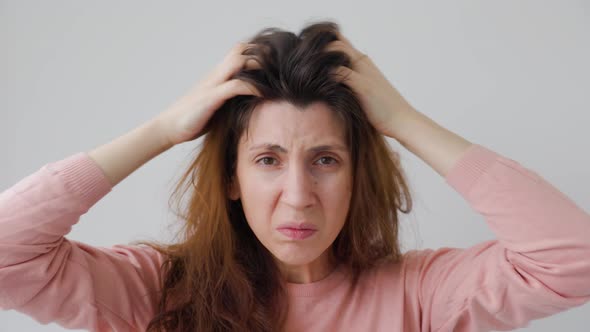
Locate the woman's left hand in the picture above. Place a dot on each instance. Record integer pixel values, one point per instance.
(383, 104)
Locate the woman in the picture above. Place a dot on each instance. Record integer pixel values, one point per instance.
(292, 219)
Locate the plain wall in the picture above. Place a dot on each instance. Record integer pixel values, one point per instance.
(510, 75)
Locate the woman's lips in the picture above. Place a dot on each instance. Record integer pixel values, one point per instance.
(297, 225)
(297, 234)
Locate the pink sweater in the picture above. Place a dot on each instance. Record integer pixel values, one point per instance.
(538, 266)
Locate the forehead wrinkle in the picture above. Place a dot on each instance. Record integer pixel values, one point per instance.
(278, 148)
(281, 121)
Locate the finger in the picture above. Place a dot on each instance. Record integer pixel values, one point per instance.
(337, 45)
(348, 43)
(236, 87)
(353, 54)
(232, 62)
(346, 75)
(251, 63)
(341, 37)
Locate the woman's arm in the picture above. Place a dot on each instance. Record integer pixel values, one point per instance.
(538, 265)
(51, 278)
(183, 121)
(437, 146)
(392, 115)
(126, 153)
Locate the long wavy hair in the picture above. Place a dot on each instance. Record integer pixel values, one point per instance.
(217, 275)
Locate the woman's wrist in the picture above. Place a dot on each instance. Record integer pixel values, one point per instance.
(399, 123)
(161, 129)
(436, 145)
(126, 153)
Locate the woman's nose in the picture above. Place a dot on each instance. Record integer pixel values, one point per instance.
(298, 188)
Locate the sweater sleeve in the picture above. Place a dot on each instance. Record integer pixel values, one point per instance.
(53, 279)
(539, 264)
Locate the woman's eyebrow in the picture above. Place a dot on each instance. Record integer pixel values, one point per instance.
(278, 148)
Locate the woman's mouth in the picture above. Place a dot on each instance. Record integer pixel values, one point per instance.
(297, 233)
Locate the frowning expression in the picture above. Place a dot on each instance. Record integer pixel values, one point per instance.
(294, 166)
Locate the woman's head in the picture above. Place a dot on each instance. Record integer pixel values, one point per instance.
(326, 165)
(294, 166)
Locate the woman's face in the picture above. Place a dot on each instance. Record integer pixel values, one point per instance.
(294, 166)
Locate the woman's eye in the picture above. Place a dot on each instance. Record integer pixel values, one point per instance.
(268, 160)
(326, 160)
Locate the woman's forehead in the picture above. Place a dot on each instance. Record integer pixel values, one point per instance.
(285, 123)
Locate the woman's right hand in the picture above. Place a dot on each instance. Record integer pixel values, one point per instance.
(185, 119)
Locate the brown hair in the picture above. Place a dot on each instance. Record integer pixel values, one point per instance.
(219, 276)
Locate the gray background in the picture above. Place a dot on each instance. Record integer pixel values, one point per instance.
(510, 75)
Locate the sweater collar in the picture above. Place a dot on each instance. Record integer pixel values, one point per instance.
(319, 287)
